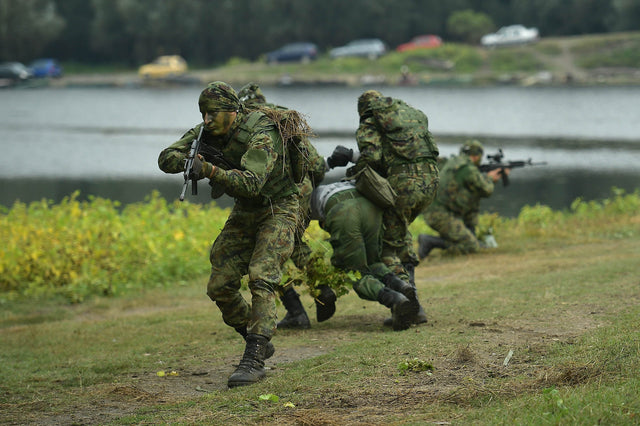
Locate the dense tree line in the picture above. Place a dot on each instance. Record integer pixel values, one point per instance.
(209, 32)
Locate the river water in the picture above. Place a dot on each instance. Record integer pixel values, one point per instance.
(105, 141)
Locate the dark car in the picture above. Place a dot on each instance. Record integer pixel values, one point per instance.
(46, 68)
(293, 52)
(14, 71)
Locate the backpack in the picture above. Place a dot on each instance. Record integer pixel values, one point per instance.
(300, 152)
(406, 128)
(297, 146)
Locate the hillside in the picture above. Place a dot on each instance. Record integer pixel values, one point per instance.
(582, 60)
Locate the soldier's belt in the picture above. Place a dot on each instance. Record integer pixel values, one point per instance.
(263, 201)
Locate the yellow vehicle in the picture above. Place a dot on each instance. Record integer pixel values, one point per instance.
(164, 66)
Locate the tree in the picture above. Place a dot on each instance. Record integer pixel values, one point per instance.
(26, 27)
(469, 26)
(627, 17)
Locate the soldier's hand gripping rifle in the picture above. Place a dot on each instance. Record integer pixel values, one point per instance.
(495, 163)
(189, 174)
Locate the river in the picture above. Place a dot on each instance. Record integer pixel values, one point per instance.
(105, 141)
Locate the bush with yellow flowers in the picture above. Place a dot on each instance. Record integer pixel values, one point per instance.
(98, 247)
(77, 248)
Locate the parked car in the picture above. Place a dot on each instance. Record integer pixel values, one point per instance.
(512, 34)
(46, 67)
(293, 52)
(15, 72)
(163, 67)
(371, 48)
(427, 41)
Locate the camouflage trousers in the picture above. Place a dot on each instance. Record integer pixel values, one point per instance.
(416, 186)
(256, 241)
(452, 229)
(355, 226)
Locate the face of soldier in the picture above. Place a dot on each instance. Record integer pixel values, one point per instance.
(476, 159)
(218, 122)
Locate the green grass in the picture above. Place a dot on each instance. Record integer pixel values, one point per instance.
(560, 292)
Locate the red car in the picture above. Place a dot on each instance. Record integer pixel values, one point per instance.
(420, 42)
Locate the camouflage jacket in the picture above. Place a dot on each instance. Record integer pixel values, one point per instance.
(394, 133)
(462, 186)
(254, 147)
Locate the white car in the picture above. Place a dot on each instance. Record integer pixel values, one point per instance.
(371, 48)
(513, 34)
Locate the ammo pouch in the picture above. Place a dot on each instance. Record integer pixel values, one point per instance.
(375, 188)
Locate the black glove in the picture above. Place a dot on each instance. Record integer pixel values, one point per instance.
(200, 168)
(196, 172)
(340, 157)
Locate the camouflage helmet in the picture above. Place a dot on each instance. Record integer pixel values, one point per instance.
(251, 93)
(472, 147)
(365, 100)
(218, 96)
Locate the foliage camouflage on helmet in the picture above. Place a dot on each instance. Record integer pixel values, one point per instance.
(364, 101)
(218, 96)
(472, 147)
(251, 94)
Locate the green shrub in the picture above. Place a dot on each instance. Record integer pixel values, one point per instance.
(98, 247)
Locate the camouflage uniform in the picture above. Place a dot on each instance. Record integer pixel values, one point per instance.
(258, 237)
(355, 227)
(454, 212)
(394, 139)
(253, 99)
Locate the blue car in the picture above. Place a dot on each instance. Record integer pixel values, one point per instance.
(46, 68)
(294, 52)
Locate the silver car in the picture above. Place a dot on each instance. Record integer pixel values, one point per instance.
(513, 34)
(371, 48)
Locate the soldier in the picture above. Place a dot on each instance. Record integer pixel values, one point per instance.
(355, 227)
(296, 317)
(394, 139)
(454, 213)
(258, 236)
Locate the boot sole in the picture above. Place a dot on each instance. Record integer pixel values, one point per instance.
(402, 315)
(234, 384)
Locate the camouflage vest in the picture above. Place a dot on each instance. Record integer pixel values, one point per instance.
(280, 182)
(453, 192)
(407, 131)
(299, 149)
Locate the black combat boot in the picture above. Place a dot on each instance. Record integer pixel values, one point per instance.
(325, 303)
(251, 367)
(426, 243)
(395, 283)
(421, 316)
(270, 348)
(402, 310)
(296, 315)
(410, 292)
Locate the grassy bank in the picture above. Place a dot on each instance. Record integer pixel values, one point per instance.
(586, 59)
(541, 330)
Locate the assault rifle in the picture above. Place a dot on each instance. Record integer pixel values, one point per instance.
(495, 163)
(216, 157)
(188, 165)
(210, 154)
